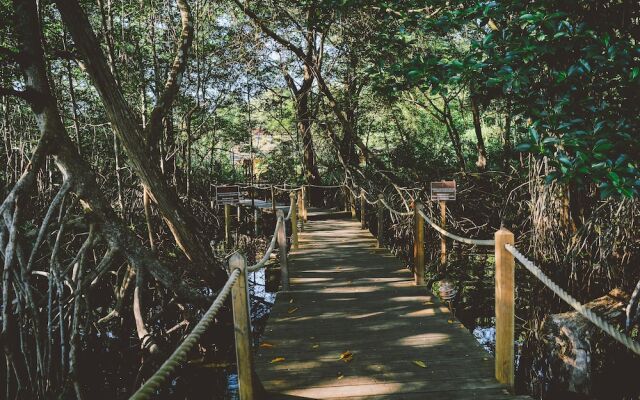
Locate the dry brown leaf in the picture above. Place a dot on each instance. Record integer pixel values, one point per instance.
(347, 356)
(292, 310)
(266, 345)
(420, 364)
(450, 321)
(277, 360)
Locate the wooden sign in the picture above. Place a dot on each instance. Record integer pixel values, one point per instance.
(443, 191)
(227, 194)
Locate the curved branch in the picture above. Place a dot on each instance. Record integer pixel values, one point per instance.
(171, 86)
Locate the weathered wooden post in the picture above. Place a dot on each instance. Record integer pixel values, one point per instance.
(294, 221)
(363, 210)
(227, 225)
(305, 199)
(443, 239)
(273, 200)
(418, 246)
(242, 328)
(300, 205)
(505, 299)
(352, 202)
(282, 246)
(380, 220)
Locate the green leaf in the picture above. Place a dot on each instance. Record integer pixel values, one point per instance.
(524, 147)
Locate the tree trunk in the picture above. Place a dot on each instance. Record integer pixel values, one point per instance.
(180, 222)
(55, 141)
(477, 126)
(579, 361)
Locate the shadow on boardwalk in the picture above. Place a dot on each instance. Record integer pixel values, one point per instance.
(348, 296)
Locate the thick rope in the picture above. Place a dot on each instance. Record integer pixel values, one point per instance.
(400, 213)
(477, 242)
(180, 354)
(267, 253)
(586, 312)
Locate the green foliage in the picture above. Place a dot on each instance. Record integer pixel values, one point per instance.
(570, 69)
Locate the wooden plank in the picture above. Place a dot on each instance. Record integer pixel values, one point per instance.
(347, 296)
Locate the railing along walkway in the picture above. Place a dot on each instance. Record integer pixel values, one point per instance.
(354, 325)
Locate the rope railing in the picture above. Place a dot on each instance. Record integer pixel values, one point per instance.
(595, 319)
(257, 266)
(179, 355)
(477, 242)
(391, 210)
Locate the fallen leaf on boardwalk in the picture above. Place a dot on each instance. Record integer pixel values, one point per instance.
(485, 359)
(291, 301)
(347, 356)
(450, 321)
(277, 359)
(266, 345)
(292, 310)
(315, 346)
(340, 375)
(420, 364)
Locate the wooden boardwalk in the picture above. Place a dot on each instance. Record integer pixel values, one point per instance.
(348, 296)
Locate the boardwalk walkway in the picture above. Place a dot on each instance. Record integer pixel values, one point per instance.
(348, 296)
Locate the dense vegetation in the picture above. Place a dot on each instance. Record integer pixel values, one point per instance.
(119, 117)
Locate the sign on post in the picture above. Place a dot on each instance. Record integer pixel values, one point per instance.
(443, 191)
(227, 194)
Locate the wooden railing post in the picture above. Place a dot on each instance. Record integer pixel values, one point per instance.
(242, 328)
(352, 202)
(505, 314)
(380, 220)
(418, 246)
(227, 225)
(282, 246)
(305, 199)
(363, 210)
(300, 214)
(273, 200)
(294, 221)
(443, 239)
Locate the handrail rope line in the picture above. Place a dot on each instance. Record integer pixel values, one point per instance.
(179, 354)
(291, 206)
(598, 321)
(270, 249)
(477, 242)
(400, 213)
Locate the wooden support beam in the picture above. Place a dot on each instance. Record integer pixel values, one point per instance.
(273, 200)
(305, 200)
(443, 239)
(505, 314)
(418, 246)
(242, 328)
(282, 247)
(363, 210)
(227, 225)
(300, 204)
(380, 220)
(294, 221)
